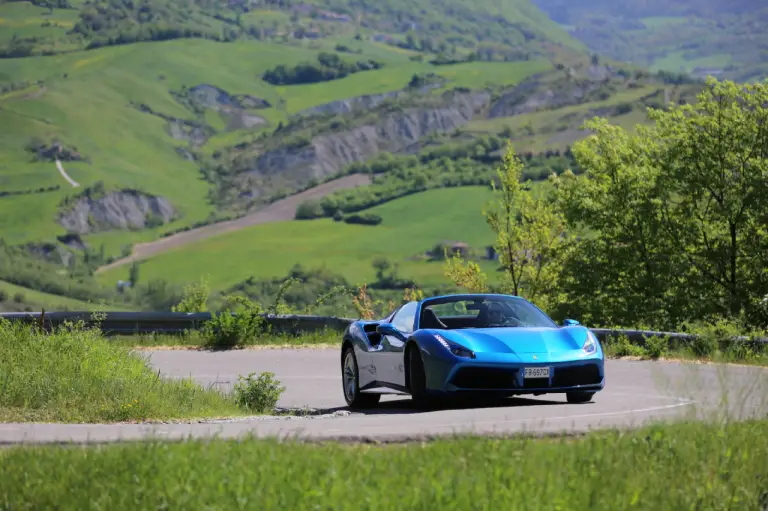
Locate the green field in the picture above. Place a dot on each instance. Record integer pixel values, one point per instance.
(472, 75)
(677, 61)
(17, 297)
(23, 19)
(680, 466)
(410, 226)
(85, 98)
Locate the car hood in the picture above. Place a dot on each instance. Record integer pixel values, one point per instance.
(519, 340)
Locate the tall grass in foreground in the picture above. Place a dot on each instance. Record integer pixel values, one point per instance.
(76, 375)
(682, 466)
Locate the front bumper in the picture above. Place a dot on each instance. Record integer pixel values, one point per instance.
(508, 378)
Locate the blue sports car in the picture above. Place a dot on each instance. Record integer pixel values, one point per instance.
(469, 343)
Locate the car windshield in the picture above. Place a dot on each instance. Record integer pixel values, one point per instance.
(482, 312)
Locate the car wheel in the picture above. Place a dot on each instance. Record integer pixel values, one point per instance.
(351, 382)
(417, 378)
(579, 397)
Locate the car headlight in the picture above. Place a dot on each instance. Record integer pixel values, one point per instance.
(590, 346)
(456, 349)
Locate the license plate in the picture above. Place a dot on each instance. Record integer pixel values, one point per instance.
(536, 372)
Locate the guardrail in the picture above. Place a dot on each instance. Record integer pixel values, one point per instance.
(133, 323)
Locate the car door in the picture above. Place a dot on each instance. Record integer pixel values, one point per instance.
(391, 354)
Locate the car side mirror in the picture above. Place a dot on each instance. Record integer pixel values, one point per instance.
(388, 329)
(570, 322)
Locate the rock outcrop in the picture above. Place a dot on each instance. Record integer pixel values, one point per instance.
(394, 132)
(535, 94)
(126, 209)
(365, 102)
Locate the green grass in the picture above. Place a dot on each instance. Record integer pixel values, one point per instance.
(473, 75)
(85, 99)
(23, 19)
(410, 226)
(656, 22)
(676, 61)
(38, 300)
(680, 466)
(79, 376)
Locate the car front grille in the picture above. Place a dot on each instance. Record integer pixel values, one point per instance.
(506, 378)
(485, 378)
(569, 376)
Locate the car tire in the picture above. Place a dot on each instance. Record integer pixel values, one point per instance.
(579, 397)
(417, 377)
(350, 381)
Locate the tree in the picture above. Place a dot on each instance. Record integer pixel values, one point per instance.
(133, 274)
(620, 273)
(530, 234)
(677, 212)
(195, 298)
(714, 160)
(466, 274)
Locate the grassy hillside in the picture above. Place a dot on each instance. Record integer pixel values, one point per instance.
(444, 26)
(410, 227)
(85, 102)
(20, 299)
(719, 37)
(124, 123)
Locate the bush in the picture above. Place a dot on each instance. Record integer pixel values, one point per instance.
(364, 218)
(227, 330)
(657, 347)
(329, 67)
(258, 394)
(731, 337)
(621, 346)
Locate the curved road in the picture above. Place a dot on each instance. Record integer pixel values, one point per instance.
(635, 393)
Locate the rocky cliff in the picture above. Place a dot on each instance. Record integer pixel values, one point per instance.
(537, 94)
(127, 209)
(394, 132)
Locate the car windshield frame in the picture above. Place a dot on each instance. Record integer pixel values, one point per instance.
(518, 312)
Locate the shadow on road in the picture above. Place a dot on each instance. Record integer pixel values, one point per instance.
(405, 405)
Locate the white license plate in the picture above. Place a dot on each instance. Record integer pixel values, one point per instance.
(536, 372)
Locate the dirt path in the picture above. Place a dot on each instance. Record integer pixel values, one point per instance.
(63, 172)
(280, 211)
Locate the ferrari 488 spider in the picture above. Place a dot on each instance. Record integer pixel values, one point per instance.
(469, 343)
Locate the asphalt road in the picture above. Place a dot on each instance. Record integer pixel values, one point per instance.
(635, 393)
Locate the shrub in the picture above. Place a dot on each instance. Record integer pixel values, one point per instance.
(227, 330)
(258, 394)
(621, 346)
(364, 219)
(657, 346)
(710, 336)
(195, 298)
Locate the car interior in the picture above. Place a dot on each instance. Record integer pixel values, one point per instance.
(489, 314)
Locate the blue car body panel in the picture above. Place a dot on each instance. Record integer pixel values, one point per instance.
(499, 356)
